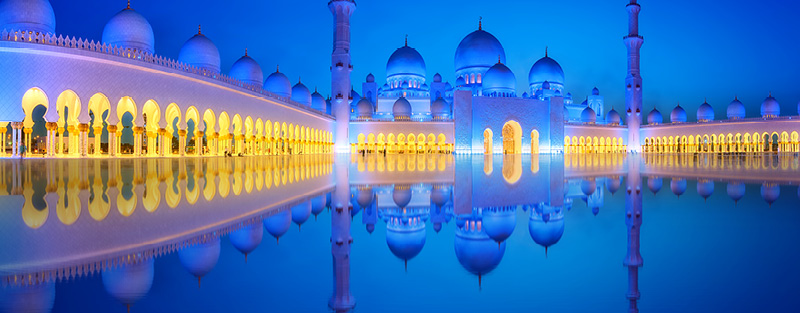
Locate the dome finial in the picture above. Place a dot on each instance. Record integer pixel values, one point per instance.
(480, 23)
(245, 51)
(545, 51)
(499, 59)
(736, 97)
(299, 79)
(129, 5)
(278, 69)
(199, 29)
(406, 40)
(770, 93)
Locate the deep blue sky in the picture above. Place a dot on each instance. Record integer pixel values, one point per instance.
(693, 49)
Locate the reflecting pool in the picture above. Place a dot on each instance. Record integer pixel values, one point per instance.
(402, 233)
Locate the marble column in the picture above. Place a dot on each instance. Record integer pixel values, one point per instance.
(182, 142)
(198, 143)
(112, 140)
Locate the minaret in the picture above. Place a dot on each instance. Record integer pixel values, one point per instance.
(340, 71)
(633, 221)
(633, 82)
(341, 300)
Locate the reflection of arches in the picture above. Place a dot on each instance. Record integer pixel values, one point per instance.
(512, 168)
(512, 138)
(487, 141)
(534, 142)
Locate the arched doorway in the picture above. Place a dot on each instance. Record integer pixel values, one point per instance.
(535, 141)
(487, 141)
(512, 138)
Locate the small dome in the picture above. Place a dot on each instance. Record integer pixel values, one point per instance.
(278, 224)
(27, 15)
(301, 94)
(440, 195)
(736, 109)
(588, 186)
(546, 233)
(405, 243)
(770, 192)
(247, 70)
(588, 116)
(317, 101)
(247, 238)
(401, 109)
(655, 117)
(613, 118)
(770, 107)
(655, 184)
(370, 78)
(705, 188)
(449, 87)
(678, 115)
(130, 282)
(476, 252)
(736, 191)
(201, 258)
(595, 91)
(354, 94)
(478, 51)
(437, 78)
(546, 70)
(613, 184)
(499, 223)
(200, 52)
(278, 84)
(499, 80)
(365, 197)
(440, 108)
(31, 298)
(678, 186)
(405, 61)
(401, 196)
(705, 112)
(301, 213)
(318, 205)
(364, 108)
(129, 29)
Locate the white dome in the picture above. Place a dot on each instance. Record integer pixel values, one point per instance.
(317, 101)
(678, 115)
(613, 118)
(705, 112)
(401, 109)
(655, 117)
(247, 70)
(655, 184)
(770, 192)
(364, 108)
(736, 109)
(477, 252)
(28, 298)
(278, 84)
(405, 61)
(499, 81)
(770, 107)
(546, 70)
(440, 108)
(129, 29)
(588, 116)
(278, 224)
(477, 52)
(200, 52)
(401, 196)
(736, 191)
(27, 15)
(678, 186)
(404, 243)
(499, 223)
(301, 213)
(301, 94)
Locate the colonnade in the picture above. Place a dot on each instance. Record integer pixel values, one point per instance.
(730, 143)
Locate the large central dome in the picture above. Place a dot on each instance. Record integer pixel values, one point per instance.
(479, 50)
(405, 61)
(546, 70)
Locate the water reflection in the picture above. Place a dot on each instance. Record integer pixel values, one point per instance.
(146, 209)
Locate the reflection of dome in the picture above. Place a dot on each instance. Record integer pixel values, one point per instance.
(401, 196)
(678, 186)
(440, 195)
(736, 191)
(613, 118)
(770, 192)
(301, 94)
(588, 116)
(478, 51)
(405, 243)
(770, 107)
(705, 112)
(317, 101)
(278, 224)
(129, 29)
(401, 109)
(364, 108)
(705, 188)
(655, 117)
(27, 15)
(613, 184)
(318, 205)
(130, 282)
(405, 61)
(476, 252)
(200, 52)
(588, 186)
(736, 109)
(278, 84)
(247, 70)
(201, 258)
(499, 222)
(365, 197)
(546, 231)
(247, 238)
(440, 108)
(499, 80)
(655, 184)
(678, 115)
(301, 213)
(34, 298)
(546, 70)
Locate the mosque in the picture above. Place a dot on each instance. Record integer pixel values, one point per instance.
(188, 107)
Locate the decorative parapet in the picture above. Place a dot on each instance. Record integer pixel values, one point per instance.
(736, 120)
(133, 54)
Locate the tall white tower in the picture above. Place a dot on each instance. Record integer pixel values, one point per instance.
(633, 220)
(340, 71)
(633, 82)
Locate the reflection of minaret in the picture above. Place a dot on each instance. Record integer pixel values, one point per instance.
(633, 221)
(341, 300)
(633, 82)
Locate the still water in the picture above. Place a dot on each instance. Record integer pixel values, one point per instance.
(435, 233)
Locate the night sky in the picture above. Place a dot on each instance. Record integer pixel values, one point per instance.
(693, 49)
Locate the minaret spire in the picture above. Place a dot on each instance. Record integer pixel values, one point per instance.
(480, 23)
(633, 81)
